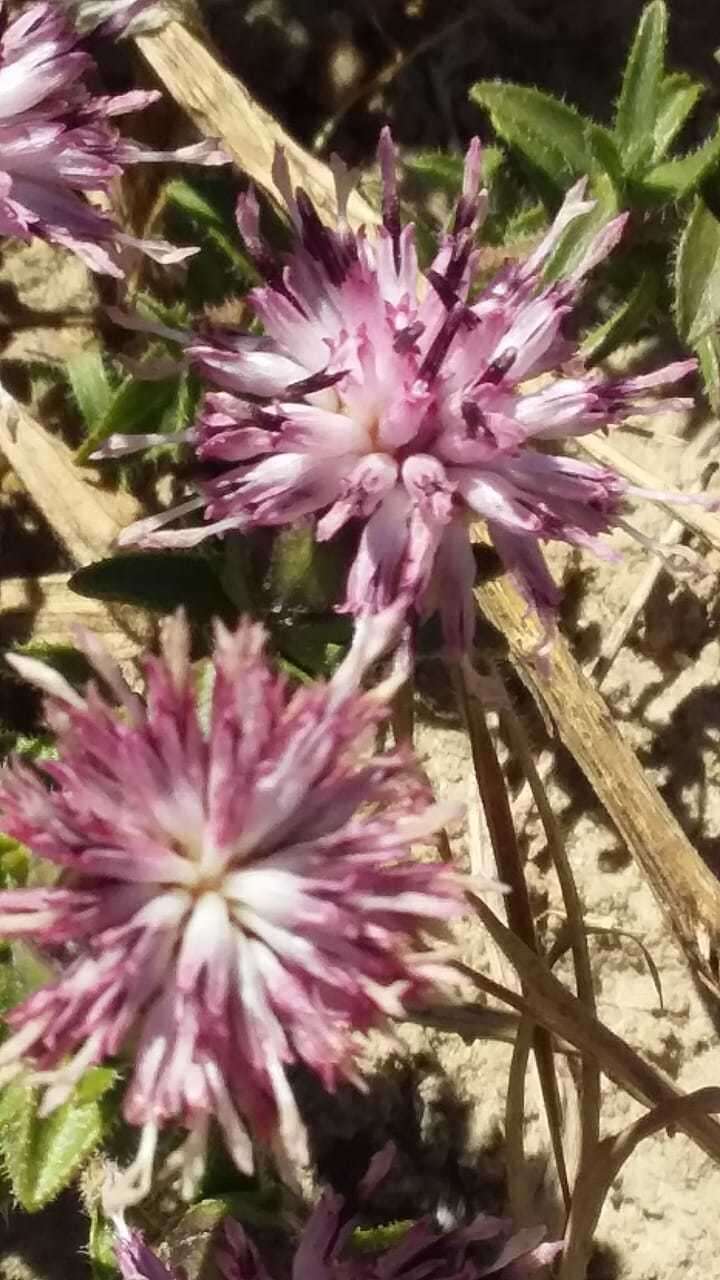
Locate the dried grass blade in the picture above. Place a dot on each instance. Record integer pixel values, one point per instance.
(47, 610)
(686, 889)
(594, 1183)
(496, 802)
(589, 1101)
(85, 518)
(564, 1015)
(222, 107)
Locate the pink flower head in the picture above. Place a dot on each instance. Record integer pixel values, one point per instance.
(57, 142)
(484, 1247)
(235, 895)
(391, 400)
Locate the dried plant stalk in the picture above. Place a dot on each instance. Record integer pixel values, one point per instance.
(589, 1099)
(686, 889)
(562, 1013)
(85, 518)
(222, 107)
(50, 610)
(496, 802)
(594, 1183)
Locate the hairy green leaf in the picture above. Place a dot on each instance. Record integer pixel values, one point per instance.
(158, 580)
(697, 274)
(708, 353)
(580, 234)
(624, 323)
(640, 92)
(677, 98)
(677, 178)
(101, 1247)
(42, 1156)
(552, 135)
(437, 170)
(607, 154)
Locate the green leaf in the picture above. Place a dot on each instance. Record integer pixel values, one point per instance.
(313, 647)
(580, 234)
(42, 1156)
(192, 202)
(91, 386)
(551, 134)
(676, 178)
(378, 1239)
(158, 580)
(639, 99)
(708, 353)
(697, 274)
(625, 322)
(139, 405)
(210, 221)
(305, 573)
(101, 1247)
(677, 98)
(193, 1242)
(437, 171)
(608, 155)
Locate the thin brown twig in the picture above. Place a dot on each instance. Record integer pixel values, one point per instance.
(496, 803)
(565, 1016)
(590, 1075)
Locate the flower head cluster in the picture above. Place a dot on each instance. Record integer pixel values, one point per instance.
(486, 1246)
(235, 896)
(406, 404)
(57, 142)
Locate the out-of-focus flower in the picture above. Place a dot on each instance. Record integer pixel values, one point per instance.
(235, 898)
(405, 405)
(116, 17)
(486, 1246)
(57, 142)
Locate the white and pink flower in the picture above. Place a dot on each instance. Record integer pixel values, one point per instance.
(57, 142)
(405, 405)
(235, 892)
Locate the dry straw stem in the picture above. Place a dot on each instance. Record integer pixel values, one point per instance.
(48, 608)
(686, 889)
(83, 517)
(222, 107)
(86, 519)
